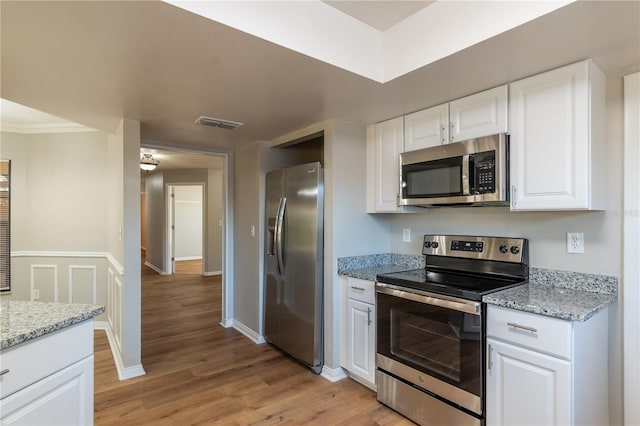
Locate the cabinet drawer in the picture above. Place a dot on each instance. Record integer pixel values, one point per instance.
(538, 332)
(361, 290)
(36, 359)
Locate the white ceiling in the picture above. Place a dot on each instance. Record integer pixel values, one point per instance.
(96, 62)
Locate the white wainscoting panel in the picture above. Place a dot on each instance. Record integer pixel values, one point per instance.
(83, 284)
(44, 279)
(117, 329)
(111, 292)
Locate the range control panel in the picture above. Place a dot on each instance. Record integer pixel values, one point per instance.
(476, 247)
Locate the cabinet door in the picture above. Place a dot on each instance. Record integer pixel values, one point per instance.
(426, 128)
(526, 387)
(550, 140)
(388, 146)
(361, 340)
(64, 398)
(481, 114)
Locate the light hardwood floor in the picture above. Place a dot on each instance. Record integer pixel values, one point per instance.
(200, 373)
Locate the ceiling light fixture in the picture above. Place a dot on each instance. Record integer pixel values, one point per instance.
(148, 163)
(218, 122)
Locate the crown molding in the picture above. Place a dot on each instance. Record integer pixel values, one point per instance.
(41, 128)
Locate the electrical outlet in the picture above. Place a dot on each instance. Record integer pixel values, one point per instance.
(575, 242)
(406, 235)
(36, 294)
(253, 230)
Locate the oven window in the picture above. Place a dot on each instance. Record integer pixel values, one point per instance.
(443, 343)
(433, 343)
(440, 178)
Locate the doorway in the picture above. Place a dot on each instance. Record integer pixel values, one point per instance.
(213, 172)
(185, 242)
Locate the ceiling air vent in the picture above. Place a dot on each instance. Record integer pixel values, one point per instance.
(217, 122)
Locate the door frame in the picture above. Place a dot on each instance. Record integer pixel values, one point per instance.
(631, 249)
(170, 229)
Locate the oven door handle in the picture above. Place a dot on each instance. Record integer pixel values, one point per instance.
(460, 305)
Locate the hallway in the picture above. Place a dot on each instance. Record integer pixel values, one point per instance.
(201, 373)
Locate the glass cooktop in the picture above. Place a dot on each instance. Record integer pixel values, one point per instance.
(460, 284)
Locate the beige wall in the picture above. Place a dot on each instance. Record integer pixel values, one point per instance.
(60, 193)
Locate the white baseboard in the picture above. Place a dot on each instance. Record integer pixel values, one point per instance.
(210, 274)
(255, 337)
(155, 268)
(334, 374)
(124, 373)
(189, 258)
(226, 323)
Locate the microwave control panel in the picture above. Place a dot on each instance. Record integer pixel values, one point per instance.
(485, 172)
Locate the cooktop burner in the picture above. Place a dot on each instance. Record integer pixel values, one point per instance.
(466, 266)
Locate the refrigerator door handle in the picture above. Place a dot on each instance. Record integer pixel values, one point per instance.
(279, 233)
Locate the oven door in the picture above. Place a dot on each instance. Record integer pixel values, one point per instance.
(431, 341)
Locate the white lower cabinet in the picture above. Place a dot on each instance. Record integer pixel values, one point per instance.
(64, 398)
(360, 339)
(49, 380)
(546, 371)
(527, 387)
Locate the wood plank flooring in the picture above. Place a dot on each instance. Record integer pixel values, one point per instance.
(200, 373)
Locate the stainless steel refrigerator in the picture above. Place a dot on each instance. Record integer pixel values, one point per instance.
(293, 262)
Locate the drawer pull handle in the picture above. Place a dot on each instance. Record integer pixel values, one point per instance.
(357, 288)
(522, 327)
(3, 372)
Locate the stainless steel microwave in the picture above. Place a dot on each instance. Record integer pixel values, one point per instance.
(471, 172)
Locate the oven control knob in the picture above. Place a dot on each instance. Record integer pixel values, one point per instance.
(503, 249)
(515, 249)
(434, 244)
(427, 244)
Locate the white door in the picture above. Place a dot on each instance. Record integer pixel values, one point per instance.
(481, 114)
(426, 128)
(361, 340)
(388, 146)
(526, 387)
(550, 151)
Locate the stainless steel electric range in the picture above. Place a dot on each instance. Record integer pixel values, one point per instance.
(431, 327)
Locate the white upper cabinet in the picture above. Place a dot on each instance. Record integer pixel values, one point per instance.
(474, 116)
(384, 145)
(557, 139)
(478, 115)
(426, 128)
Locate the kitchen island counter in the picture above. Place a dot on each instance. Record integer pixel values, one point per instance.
(23, 321)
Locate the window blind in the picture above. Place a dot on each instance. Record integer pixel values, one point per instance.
(5, 225)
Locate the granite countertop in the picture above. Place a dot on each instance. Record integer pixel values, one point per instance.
(565, 295)
(23, 321)
(369, 266)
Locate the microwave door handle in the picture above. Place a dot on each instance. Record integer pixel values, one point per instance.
(465, 174)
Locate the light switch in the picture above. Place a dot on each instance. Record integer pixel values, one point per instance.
(406, 235)
(253, 230)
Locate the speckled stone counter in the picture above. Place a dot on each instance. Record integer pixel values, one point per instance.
(369, 266)
(560, 294)
(23, 321)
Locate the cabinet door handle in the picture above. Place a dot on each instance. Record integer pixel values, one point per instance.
(514, 192)
(357, 288)
(442, 140)
(368, 316)
(453, 131)
(522, 327)
(489, 361)
(3, 372)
